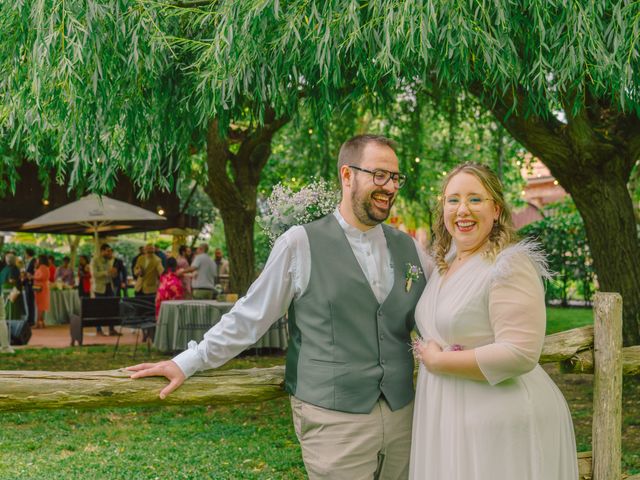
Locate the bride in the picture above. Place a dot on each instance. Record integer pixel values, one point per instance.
(485, 409)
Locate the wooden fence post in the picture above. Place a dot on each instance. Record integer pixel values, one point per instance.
(607, 387)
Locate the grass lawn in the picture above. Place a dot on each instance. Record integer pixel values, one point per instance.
(247, 441)
(238, 441)
(560, 319)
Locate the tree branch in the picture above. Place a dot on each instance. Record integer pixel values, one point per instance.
(544, 137)
(219, 186)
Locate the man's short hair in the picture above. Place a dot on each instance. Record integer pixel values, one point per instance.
(30, 251)
(351, 150)
(104, 247)
(204, 247)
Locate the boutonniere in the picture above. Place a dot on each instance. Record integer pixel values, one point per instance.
(413, 273)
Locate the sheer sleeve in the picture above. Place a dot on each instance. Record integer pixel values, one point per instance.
(518, 317)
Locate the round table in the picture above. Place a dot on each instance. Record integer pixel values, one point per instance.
(180, 321)
(62, 304)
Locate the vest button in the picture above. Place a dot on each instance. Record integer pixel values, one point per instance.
(382, 362)
(381, 337)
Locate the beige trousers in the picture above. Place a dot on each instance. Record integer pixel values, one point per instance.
(351, 446)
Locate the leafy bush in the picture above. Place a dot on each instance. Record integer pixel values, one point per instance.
(561, 233)
(19, 248)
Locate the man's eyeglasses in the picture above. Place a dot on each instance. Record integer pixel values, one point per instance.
(382, 177)
(473, 202)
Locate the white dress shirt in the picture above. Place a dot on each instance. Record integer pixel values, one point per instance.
(284, 278)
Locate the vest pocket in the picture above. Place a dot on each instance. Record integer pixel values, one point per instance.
(328, 363)
(331, 317)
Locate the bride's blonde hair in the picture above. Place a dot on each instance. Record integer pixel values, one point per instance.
(503, 232)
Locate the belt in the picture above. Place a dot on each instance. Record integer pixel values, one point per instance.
(204, 288)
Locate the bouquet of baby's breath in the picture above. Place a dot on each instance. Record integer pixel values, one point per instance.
(286, 208)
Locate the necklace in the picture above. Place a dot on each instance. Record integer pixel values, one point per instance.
(482, 249)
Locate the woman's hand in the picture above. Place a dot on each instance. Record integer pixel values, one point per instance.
(428, 353)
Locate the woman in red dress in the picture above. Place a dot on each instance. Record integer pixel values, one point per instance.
(41, 288)
(52, 269)
(170, 285)
(84, 277)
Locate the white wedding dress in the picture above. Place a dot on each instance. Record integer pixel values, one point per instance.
(514, 426)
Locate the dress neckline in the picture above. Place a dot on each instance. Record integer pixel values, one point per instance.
(444, 279)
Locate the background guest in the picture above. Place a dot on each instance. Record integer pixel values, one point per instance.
(5, 336)
(41, 288)
(204, 282)
(221, 263)
(161, 255)
(84, 277)
(133, 268)
(170, 287)
(29, 299)
(120, 280)
(65, 273)
(184, 254)
(10, 278)
(135, 260)
(10, 273)
(148, 270)
(104, 273)
(52, 268)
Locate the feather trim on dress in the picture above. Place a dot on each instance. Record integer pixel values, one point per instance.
(503, 264)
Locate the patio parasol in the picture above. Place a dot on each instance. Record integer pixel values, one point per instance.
(96, 214)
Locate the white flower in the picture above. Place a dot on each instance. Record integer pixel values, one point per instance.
(286, 208)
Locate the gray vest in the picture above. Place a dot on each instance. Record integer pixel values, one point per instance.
(346, 349)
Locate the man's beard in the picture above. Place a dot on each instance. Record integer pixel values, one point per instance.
(365, 212)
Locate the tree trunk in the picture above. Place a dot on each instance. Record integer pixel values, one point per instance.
(232, 186)
(73, 241)
(592, 156)
(613, 240)
(238, 233)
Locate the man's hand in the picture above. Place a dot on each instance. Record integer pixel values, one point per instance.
(168, 369)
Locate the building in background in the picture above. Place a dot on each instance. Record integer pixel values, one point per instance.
(541, 189)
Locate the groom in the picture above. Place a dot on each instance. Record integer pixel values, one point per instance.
(349, 368)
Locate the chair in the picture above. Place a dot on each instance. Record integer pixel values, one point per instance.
(138, 313)
(99, 311)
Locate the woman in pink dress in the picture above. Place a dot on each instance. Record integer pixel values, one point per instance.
(41, 288)
(170, 285)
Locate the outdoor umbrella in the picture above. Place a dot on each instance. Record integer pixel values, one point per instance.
(96, 214)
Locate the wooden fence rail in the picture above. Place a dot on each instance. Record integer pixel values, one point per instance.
(34, 390)
(574, 349)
